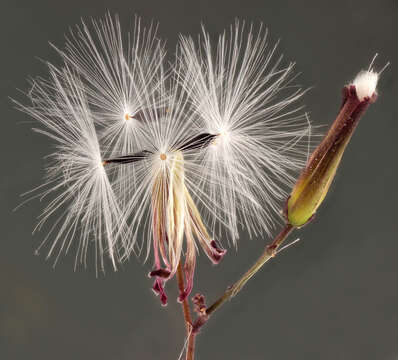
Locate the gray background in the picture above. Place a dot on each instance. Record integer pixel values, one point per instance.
(333, 296)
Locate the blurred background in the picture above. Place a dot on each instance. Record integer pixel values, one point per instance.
(332, 296)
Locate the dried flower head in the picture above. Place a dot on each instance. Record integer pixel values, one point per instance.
(168, 159)
(164, 204)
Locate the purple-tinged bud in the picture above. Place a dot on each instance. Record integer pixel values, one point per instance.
(315, 180)
(199, 304)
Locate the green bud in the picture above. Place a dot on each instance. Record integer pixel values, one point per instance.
(315, 180)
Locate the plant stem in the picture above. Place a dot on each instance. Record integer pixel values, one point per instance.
(185, 305)
(191, 346)
(187, 314)
(269, 252)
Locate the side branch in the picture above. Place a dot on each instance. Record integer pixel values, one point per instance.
(269, 252)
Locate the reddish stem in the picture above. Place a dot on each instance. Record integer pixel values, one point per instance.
(187, 314)
(191, 347)
(185, 305)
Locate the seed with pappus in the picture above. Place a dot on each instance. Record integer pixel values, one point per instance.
(241, 92)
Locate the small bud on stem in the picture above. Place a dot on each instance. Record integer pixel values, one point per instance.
(315, 180)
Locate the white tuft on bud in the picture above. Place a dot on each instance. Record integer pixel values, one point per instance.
(365, 83)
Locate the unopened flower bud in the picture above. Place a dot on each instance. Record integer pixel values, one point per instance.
(315, 180)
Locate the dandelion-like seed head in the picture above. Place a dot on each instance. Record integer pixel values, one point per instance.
(83, 203)
(168, 160)
(116, 66)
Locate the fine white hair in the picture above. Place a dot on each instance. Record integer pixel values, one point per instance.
(365, 84)
(366, 81)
